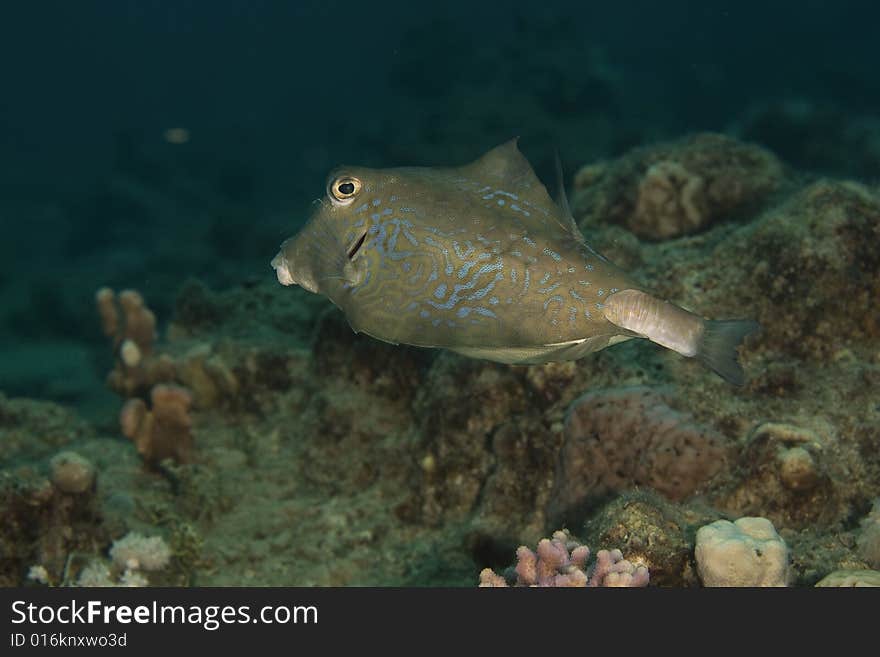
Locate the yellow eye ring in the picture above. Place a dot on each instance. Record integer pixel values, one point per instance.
(344, 189)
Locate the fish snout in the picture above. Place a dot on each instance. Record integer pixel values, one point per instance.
(292, 269)
(282, 269)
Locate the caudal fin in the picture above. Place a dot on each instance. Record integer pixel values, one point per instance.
(718, 344)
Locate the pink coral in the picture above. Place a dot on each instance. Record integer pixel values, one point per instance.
(562, 561)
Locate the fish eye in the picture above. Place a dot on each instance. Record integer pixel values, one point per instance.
(344, 188)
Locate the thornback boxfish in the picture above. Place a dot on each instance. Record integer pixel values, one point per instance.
(480, 260)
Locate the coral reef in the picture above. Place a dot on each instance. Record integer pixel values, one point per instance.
(747, 552)
(673, 189)
(327, 457)
(562, 561)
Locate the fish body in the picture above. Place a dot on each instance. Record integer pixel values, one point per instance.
(480, 260)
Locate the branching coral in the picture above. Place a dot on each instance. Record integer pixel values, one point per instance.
(165, 429)
(131, 326)
(561, 561)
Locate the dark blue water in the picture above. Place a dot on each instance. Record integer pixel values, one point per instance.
(268, 96)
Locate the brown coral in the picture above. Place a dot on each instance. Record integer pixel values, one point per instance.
(165, 429)
(131, 326)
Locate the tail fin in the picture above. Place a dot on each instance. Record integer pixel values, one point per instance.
(718, 344)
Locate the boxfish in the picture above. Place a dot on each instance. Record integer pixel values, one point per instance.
(480, 260)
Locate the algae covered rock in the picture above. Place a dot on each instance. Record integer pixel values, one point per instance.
(71, 473)
(650, 531)
(672, 189)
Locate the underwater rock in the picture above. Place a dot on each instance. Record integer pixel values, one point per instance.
(620, 438)
(71, 473)
(43, 526)
(809, 271)
(460, 405)
(667, 190)
(31, 430)
(651, 531)
(797, 469)
(394, 371)
(562, 562)
(794, 476)
(165, 429)
(747, 552)
(851, 579)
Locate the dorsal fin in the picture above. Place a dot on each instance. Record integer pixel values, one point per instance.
(507, 169)
(562, 201)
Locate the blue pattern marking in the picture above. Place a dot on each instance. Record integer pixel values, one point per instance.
(552, 254)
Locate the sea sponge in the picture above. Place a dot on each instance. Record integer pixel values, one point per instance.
(618, 438)
(672, 189)
(747, 552)
(165, 429)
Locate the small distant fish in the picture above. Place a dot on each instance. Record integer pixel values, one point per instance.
(480, 260)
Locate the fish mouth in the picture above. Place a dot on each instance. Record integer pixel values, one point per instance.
(353, 250)
(282, 269)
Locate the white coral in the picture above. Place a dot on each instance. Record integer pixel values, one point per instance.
(747, 552)
(137, 552)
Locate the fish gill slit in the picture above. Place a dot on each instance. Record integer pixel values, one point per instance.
(352, 252)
